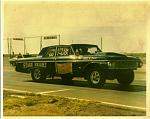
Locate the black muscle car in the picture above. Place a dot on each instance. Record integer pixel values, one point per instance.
(80, 60)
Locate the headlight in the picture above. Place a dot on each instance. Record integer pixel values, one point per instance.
(140, 64)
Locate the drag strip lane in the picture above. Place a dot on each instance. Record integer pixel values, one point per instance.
(112, 93)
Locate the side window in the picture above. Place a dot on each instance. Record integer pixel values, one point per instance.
(92, 50)
(64, 51)
(50, 52)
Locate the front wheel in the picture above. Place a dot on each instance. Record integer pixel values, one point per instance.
(125, 77)
(38, 74)
(95, 77)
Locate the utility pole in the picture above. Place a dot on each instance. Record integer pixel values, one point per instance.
(8, 44)
(59, 38)
(24, 46)
(41, 43)
(101, 43)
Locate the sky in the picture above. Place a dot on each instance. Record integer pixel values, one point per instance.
(122, 25)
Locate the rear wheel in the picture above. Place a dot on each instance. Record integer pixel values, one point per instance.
(38, 74)
(95, 77)
(125, 77)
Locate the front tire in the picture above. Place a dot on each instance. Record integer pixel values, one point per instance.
(125, 77)
(95, 77)
(38, 74)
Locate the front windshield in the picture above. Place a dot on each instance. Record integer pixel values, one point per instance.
(86, 50)
(43, 51)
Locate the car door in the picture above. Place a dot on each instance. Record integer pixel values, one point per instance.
(63, 60)
(49, 58)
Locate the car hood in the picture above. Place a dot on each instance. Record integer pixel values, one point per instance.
(28, 59)
(114, 56)
(13, 59)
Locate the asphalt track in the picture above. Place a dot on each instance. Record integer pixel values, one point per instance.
(112, 93)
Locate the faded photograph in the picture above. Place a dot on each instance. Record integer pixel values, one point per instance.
(74, 58)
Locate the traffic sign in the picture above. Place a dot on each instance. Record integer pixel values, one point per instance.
(50, 37)
(17, 38)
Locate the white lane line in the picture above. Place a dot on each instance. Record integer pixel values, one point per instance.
(105, 103)
(20, 91)
(46, 92)
(125, 106)
(18, 96)
(114, 104)
(53, 91)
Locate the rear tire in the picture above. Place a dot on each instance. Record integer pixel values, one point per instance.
(95, 77)
(125, 77)
(38, 74)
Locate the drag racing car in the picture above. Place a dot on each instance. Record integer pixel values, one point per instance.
(80, 60)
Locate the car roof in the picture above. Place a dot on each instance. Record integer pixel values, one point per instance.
(74, 45)
(83, 45)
